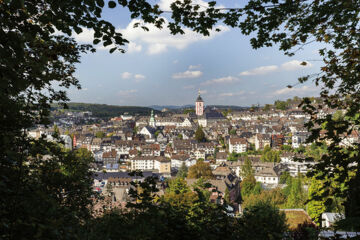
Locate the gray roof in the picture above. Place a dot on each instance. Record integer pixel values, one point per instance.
(105, 175)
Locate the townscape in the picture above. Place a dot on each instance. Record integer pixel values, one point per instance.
(102, 134)
(271, 139)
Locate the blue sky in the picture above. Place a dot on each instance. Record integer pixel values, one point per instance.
(162, 69)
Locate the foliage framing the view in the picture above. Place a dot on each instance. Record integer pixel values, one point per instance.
(33, 59)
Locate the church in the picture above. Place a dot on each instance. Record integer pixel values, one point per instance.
(207, 115)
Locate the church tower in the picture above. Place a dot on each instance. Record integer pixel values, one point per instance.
(152, 122)
(199, 106)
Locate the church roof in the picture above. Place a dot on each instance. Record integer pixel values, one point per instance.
(199, 99)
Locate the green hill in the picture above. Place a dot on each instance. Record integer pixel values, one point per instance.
(104, 110)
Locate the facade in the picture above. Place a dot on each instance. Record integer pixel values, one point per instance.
(161, 164)
(237, 145)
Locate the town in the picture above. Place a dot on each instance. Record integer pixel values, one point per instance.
(272, 139)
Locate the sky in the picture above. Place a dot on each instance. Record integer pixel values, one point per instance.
(162, 69)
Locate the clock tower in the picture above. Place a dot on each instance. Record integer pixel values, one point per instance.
(199, 106)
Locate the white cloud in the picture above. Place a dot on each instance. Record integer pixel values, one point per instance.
(160, 40)
(133, 47)
(175, 61)
(139, 76)
(228, 79)
(295, 65)
(157, 48)
(126, 75)
(87, 36)
(156, 40)
(203, 91)
(126, 93)
(287, 66)
(231, 94)
(260, 70)
(295, 91)
(192, 67)
(187, 74)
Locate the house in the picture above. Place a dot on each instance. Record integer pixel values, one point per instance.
(221, 171)
(178, 160)
(150, 150)
(237, 145)
(160, 164)
(294, 167)
(299, 138)
(148, 132)
(262, 140)
(277, 140)
(95, 144)
(221, 157)
(267, 176)
(228, 185)
(328, 219)
(110, 157)
(199, 154)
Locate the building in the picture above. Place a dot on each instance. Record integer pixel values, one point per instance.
(152, 122)
(328, 219)
(262, 140)
(237, 145)
(160, 164)
(199, 106)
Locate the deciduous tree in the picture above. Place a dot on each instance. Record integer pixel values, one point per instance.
(200, 169)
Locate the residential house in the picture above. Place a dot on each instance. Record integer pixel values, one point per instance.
(237, 145)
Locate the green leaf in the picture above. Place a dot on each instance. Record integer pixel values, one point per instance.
(111, 4)
(100, 3)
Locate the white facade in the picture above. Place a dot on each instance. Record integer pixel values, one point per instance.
(271, 180)
(142, 164)
(237, 146)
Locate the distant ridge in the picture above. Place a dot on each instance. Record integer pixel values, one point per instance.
(106, 111)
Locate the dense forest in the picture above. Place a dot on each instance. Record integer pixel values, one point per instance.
(104, 110)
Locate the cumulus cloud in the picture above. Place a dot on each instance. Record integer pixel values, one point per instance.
(126, 75)
(139, 76)
(228, 79)
(155, 40)
(295, 65)
(260, 70)
(133, 47)
(296, 91)
(287, 66)
(187, 74)
(160, 40)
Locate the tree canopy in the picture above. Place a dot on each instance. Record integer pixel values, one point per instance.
(200, 169)
(34, 59)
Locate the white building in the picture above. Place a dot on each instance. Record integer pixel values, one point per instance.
(237, 145)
